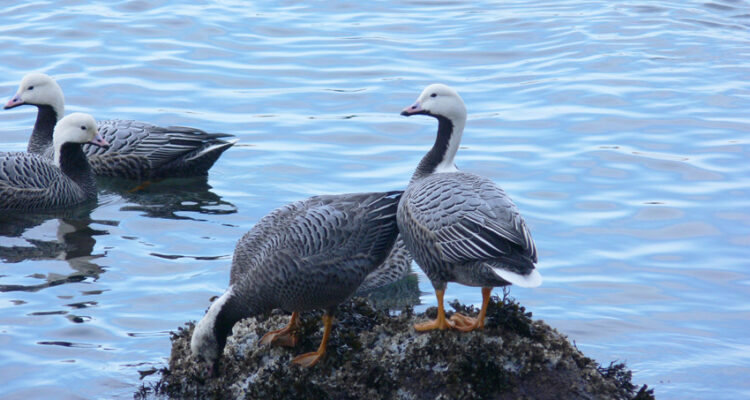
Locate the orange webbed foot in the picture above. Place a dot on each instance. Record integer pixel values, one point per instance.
(308, 359)
(282, 337)
(286, 336)
(438, 323)
(465, 323)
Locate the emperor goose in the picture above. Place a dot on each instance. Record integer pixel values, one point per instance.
(30, 181)
(311, 254)
(461, 227)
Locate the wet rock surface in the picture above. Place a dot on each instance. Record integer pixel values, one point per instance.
(374, 355)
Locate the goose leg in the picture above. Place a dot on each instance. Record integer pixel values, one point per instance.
(467, 324)
(310, 359)
(142, 186)
(285, 336)
(440, 322)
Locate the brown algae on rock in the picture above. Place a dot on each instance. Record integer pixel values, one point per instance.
(372, 354)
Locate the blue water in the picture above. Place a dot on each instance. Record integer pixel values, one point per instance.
(620, 129)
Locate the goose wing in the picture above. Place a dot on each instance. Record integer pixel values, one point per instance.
(30, 180)
(158, 145)
(472, 219)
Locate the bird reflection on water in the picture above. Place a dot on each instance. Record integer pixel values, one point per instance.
(167, 198)
(27, 236)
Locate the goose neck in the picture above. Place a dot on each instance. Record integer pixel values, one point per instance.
(73, 163)
(441, 155)
(41, 137)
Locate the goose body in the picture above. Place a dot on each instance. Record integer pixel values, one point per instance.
(30, 181)
(311, 254)
(461, 227)
(138, 150)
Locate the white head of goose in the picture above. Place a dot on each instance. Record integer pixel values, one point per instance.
(43, 92)
(444, 104)
(30, 181)
(461, 227)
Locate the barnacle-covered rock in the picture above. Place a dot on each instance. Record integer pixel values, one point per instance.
(375, 355)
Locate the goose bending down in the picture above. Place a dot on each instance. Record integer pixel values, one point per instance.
(138, 150)
(311, 254)
(461, 227)
(30, 181)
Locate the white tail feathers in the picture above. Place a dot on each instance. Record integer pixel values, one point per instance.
(533, 279)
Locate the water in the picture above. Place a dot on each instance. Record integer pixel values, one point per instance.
(620, 129)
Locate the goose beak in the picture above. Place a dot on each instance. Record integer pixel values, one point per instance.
(99, 141)
(14, 102)
(415, 108)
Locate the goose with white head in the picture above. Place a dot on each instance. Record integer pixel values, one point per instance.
(32, 182)
(458, 226)
(311, 254)
(138, 150)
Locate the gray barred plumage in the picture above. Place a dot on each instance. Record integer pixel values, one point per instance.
(462, 228)
(311, 254)
(29, 181)
(314, 253)
(138, 150)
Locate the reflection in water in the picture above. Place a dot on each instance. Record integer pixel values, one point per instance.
(74, 242)
(167, 198)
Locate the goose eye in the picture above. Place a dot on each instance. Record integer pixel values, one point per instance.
(433, 95)
(31, 87)
(83, 127)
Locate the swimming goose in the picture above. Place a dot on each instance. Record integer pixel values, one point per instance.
(30, 181)
(461, 227)
(311, 254)
(138, 150)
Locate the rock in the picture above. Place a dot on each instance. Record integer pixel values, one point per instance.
(374, 355)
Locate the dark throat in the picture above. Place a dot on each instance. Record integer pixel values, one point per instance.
(74, 164)
(437, 153)
(229, 314)
(41, 137)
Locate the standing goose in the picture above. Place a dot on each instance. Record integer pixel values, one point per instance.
(461, 227)
(138, 150)
(307, 255)
(30, 181)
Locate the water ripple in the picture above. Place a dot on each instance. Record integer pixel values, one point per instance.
(618, 128)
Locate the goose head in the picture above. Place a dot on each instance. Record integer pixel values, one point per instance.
(438, 100)
(210, 334)
(444, 104)
(76, 128)
(38, 89)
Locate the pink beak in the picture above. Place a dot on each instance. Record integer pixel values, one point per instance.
(99, 141)
(412, 109)
(13, 102)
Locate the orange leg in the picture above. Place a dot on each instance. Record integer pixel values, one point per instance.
(285, 336)
(142, 186)
(310, 359)
(468, 324)
(440, 322)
